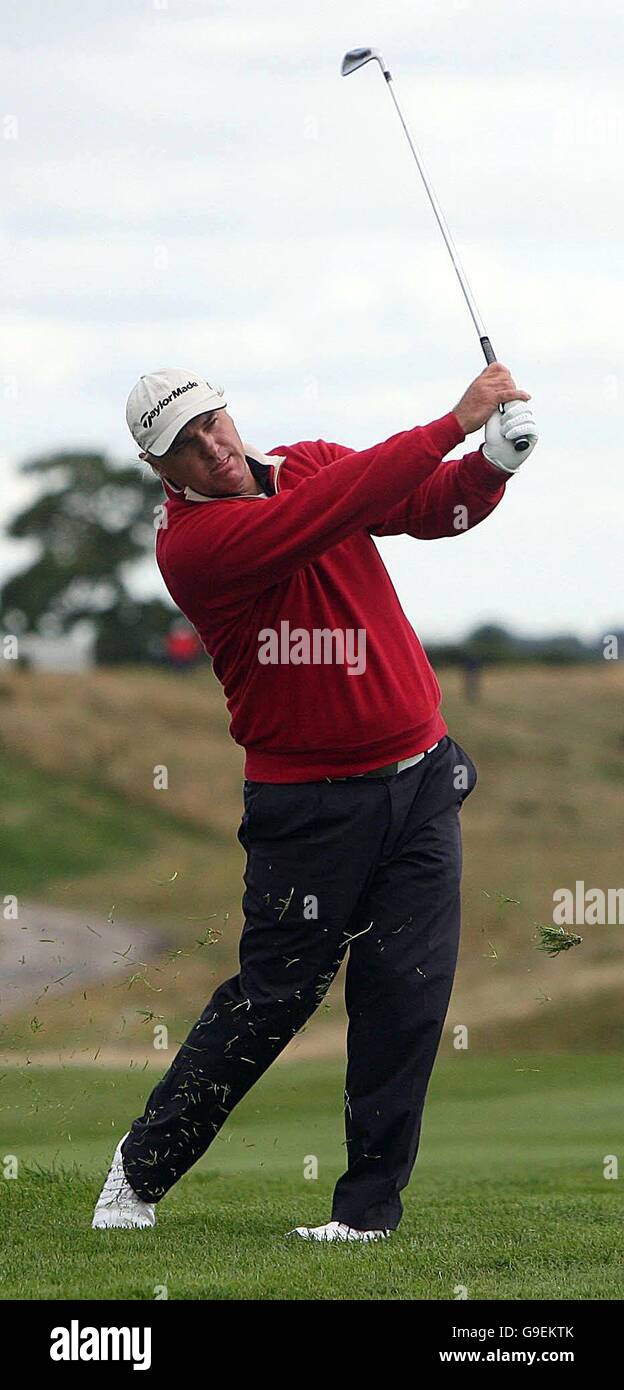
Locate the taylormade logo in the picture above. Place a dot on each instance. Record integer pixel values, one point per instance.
(76, 1343)
(153, 414)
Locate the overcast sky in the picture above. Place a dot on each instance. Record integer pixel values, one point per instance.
(192, 183)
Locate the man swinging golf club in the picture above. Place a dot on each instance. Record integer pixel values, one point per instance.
(353, 786)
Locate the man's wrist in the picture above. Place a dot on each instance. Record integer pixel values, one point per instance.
(496, 467)
(444, 434)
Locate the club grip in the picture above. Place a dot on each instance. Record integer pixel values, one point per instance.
(488, 351)
(490, 356)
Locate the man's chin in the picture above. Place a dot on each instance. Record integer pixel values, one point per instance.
(230, 478)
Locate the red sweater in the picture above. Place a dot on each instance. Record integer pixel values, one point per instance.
(304, 559)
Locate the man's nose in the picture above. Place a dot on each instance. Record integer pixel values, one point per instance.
(208, 447)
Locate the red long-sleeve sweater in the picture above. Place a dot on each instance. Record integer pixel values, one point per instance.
(304, 559)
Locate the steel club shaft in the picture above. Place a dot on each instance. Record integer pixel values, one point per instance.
(356, 58)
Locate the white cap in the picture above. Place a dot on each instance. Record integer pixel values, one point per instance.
(161, 403)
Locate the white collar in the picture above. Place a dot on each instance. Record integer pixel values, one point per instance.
(274, 460)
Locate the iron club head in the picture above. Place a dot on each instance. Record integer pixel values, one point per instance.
(357, 57)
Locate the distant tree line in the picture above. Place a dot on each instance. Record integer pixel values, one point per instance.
(490, 644)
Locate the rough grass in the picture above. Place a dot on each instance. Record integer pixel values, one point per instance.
(508, 1197)
(85, 828)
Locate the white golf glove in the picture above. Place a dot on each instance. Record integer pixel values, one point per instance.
(502, 428)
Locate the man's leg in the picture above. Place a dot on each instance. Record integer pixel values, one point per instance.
(399, 979)
(305, 874)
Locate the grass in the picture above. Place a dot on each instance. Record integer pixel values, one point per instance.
(85, 829)
(508, 1196)
(53, 829)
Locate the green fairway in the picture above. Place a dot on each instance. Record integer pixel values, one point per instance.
(508, 1197)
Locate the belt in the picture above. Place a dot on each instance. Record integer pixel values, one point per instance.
(389, 770)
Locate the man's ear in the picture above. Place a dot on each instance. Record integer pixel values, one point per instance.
(145, 458)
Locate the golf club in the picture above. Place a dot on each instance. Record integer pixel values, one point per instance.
(356, 58)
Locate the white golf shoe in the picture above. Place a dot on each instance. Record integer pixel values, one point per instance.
(118, 1205)
(336, 1230)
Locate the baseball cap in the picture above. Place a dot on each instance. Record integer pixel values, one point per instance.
(161, 404)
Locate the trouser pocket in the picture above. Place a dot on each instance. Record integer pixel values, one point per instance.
(280, 810)
(465, 776)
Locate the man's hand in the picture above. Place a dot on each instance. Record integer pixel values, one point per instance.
(515, 422)
(495, 385)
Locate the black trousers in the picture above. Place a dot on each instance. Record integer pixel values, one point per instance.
(369, 865)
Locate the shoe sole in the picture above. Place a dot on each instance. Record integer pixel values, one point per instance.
(338, 1240)
(112, 1223)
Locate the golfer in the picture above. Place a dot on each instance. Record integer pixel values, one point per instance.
(353, 786)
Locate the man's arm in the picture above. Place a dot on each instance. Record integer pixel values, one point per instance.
(459, 495)
(250, 546)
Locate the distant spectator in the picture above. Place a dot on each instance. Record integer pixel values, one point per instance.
(473, 667)
(183, 646)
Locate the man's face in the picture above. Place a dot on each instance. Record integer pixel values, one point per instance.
(208, 456)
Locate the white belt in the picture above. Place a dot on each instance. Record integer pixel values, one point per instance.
(402, 763)
(418, 757)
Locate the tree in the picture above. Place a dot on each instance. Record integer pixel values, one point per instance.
(92, 523)
(490, 642)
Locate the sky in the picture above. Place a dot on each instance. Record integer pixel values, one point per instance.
(192, 183)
